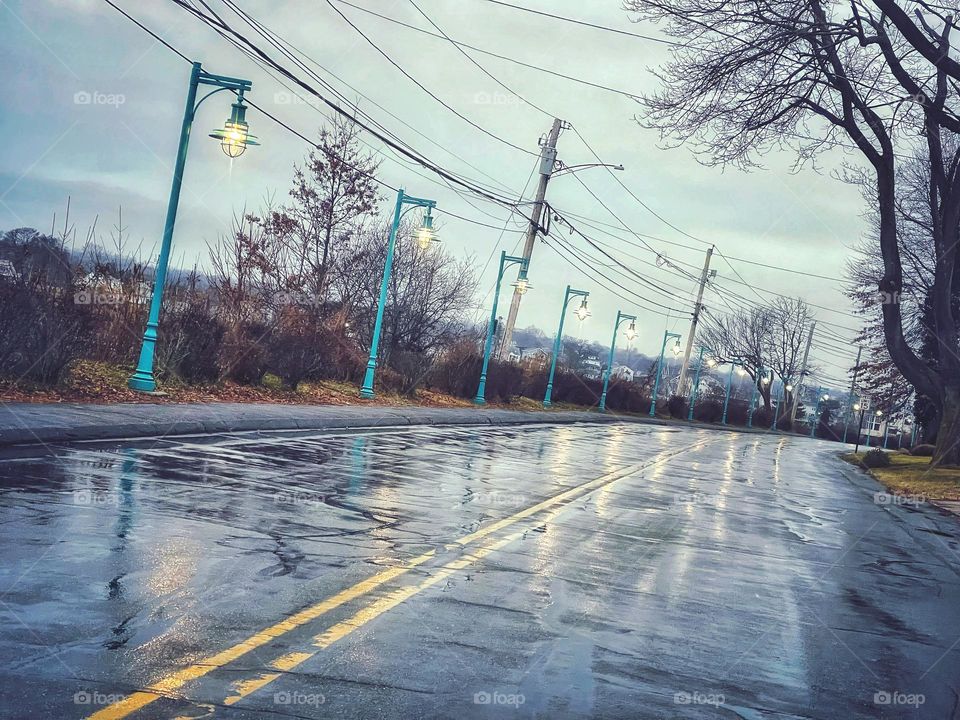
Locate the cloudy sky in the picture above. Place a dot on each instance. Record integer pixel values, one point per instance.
(93, 108)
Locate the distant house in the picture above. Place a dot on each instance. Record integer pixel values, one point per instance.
(8, 273)
(623, 372)
(591, 368)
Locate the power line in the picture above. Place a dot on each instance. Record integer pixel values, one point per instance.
(478, 65)
(584, 23)
(424, 87)
(506, 58)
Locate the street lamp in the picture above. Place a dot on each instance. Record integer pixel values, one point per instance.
(425, 236)
(696, 380)
(521, 285)
(761, 378)
(630, 334)
(234, 139)
(861, 407)
(656, 383)
(726, 399)
(785, 387)
(816, 409)
(583, 312)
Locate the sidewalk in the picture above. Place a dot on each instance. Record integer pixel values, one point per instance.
(30, 423)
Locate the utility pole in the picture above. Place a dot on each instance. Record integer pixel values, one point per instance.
(693, 323)
(548, 159)
(853, 387)
(803, 375)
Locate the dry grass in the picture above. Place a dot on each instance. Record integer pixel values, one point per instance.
(101, 383)
(909, 475)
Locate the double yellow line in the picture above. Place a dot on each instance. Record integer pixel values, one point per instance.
(170, 684)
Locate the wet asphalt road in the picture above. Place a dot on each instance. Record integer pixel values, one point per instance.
(573, 571)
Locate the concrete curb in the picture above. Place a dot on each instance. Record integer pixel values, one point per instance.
(32, 424)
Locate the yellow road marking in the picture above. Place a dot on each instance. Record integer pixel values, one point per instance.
(169, 684)
(243, 688)
(363, 616)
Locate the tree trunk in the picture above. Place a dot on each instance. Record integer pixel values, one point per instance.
(948, 437)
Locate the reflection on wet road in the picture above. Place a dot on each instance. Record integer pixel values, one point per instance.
(541, 571)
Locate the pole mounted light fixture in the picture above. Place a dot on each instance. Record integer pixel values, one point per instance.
(235, 135)
(505, 262)
(630, 334)
(656, 382)
(425, 237)
(234, 138)
(582, 312)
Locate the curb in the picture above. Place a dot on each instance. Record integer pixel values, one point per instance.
(326, 419)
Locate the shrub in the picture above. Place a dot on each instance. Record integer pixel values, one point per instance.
(42, 331)
(710, 411)
(876, 458)
(677, 406)
(243, 353)
(923, 450)
(189, 339)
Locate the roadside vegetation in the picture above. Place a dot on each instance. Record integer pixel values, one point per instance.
(911, 475)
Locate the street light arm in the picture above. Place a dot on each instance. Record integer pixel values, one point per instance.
(583, 166)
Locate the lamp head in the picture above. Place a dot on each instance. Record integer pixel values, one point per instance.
(426, 235)
(676, 347)
(631, 332)
(234, 137)
(522, 284)
(583, 312)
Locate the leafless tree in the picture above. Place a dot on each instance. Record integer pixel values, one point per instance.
(754, 75)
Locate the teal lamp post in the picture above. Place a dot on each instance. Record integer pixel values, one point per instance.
(631, 333)
(656, 382)
(816, 409)
(425, 237)
(726, 397)
(760, 377)
(521, 285)
(785, 387)
(694, 389)
(234, 139)
(583, 312)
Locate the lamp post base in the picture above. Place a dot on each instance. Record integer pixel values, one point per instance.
(479, 401)
(367, 394)
(142, 382)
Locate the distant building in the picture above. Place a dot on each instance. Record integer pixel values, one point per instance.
(8, 273)
(623, 372)
(591, 368)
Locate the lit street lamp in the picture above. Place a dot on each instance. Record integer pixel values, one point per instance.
(861, 407)
(583, 312)
(521, 285)
(726, 397)
(234, 139)
(630, 334)
(759, 377)
(656, 382)
(425, 237)
(816, 409)
(696, 380)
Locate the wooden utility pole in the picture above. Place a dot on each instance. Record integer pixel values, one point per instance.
(803, 374)
(548, 159)
(681, 384)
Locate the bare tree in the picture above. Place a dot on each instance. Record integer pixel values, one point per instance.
(752, 75)
(741, 337)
